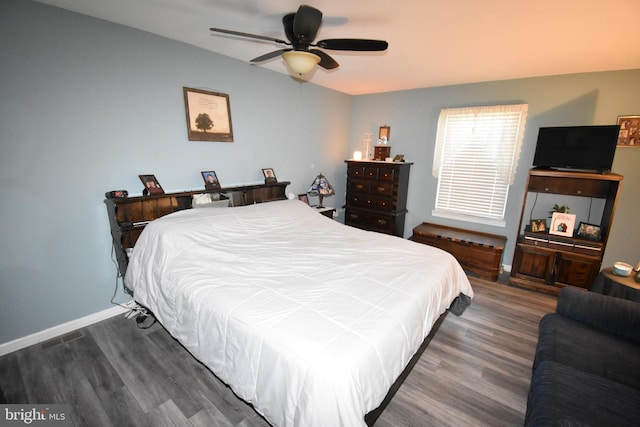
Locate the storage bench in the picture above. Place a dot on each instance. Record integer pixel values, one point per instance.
(478, 252)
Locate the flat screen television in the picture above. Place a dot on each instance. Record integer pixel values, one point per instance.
(581, 148)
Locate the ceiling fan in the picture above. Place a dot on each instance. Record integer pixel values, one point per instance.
(300, 29)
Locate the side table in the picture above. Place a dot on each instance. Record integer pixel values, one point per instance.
(327, 211)
(611, 284)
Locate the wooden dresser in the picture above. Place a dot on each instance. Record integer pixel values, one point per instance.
(377, 196)
(478, 252)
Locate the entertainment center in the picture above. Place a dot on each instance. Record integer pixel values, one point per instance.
(547, 262)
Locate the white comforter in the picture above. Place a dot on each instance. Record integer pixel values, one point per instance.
(309, 320)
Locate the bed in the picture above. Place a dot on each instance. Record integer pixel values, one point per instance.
(307, 319)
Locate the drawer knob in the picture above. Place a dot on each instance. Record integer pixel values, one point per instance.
(382, 221)
(380, 188)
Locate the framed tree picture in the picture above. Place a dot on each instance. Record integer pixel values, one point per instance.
(208, 115)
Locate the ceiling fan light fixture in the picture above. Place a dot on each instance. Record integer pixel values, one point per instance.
(301, 62)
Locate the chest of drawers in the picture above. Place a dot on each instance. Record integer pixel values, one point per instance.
(377, 196)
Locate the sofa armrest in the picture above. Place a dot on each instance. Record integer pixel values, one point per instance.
(613, 315)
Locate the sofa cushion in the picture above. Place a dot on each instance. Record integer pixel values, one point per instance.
(563, 396)
(571, 343)
(606, 313)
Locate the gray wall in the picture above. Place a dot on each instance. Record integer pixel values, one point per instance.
(85, 107)
(582, 99)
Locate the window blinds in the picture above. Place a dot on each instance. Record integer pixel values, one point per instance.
(475, 160)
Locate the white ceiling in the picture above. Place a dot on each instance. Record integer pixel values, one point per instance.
(431, 42)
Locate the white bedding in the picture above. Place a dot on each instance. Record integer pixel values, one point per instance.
(307, 319)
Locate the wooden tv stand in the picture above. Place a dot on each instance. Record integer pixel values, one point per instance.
(546, 262)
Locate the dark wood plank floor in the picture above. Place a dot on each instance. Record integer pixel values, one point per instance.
(475, 371)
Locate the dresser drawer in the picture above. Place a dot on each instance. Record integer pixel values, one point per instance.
(369, 221)
(361, 200)
(381, 188)
(385, 174)
(361, 187)
(583, 187)
(371, 173)
(355, 172)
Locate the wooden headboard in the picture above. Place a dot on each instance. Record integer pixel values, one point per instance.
(129, 215)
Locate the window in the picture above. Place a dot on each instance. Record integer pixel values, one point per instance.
(475, 160)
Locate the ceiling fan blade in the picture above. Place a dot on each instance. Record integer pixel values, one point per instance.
(363, 45)
(287, 23)
(251, 36)
(306, 23)
(326, 62)
(270, 55)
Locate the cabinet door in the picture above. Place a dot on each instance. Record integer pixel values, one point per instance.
(576, 270)
(534, 263)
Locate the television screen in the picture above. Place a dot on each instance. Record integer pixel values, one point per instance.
(587, 148)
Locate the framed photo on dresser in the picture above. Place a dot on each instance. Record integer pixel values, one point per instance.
(211, 181)
(151, 184)
(269, 176)
(562, 224)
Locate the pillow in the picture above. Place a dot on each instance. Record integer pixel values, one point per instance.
(209, 200)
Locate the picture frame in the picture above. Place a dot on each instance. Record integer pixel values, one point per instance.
(629, 135)
(269, 176)
(538, 225)
(384, 133)
(589, 231)
(562, 224)
(304, 198)
(211, 180)
(208, 115)
(151, 185)
(398, 158)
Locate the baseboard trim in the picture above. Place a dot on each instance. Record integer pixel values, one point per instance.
(47, 334)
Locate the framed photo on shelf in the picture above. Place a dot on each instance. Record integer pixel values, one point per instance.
(629, 135)
(269, 176)
(208, 115)
(211, 181)
(538, 225)
(589, 231)
(562, 224)
(384, 133)
(151, 185)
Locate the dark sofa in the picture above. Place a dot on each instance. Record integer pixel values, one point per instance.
(586, 370)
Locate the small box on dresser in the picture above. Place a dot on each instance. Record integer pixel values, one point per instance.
(478, 252)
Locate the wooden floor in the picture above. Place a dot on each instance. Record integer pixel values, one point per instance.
(475, 371)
